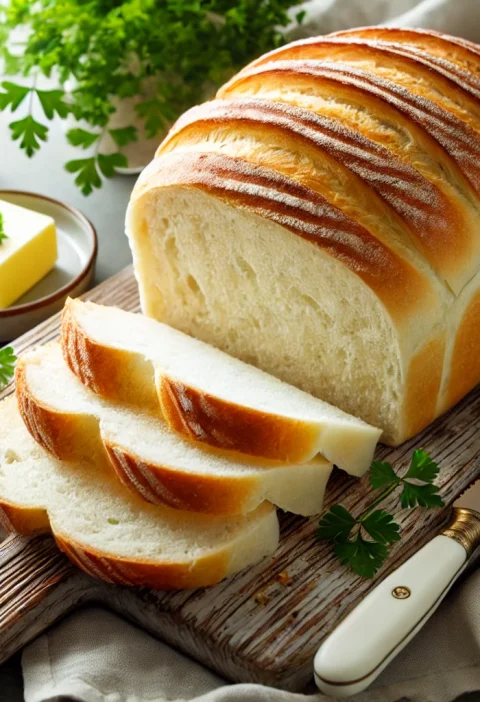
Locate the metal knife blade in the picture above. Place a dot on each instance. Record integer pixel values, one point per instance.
(470, 498)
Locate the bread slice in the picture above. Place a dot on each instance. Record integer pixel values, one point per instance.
(206, 395)
(73, 423)
(110, 532)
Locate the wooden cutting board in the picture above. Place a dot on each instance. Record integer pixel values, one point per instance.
(263, 625)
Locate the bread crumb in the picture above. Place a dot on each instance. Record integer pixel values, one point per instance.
(284, 578)
(292, 619)
(261, 598)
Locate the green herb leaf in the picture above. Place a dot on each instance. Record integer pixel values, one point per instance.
(361, 556)
(382, 474)
(87, 178)
(52, 102)
(108, 162)
(381, 527)
(82, 138)
(421, 495)
(124, 136)
(7, 365)
(29, 131)
(336, 524)
(3, 234)
(13, 96)
(12, 64)
(171, 54)
(112, 520)
(422, 467)
(348, 533)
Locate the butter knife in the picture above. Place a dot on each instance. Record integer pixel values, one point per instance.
(370, 636)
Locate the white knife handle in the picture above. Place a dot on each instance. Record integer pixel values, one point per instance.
(384, 622)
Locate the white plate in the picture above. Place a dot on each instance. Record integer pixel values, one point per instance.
(73, 272)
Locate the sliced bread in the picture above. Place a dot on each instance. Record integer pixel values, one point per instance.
(113, 534)
(205, 394)
(74, 423)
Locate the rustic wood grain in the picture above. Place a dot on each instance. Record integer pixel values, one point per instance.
(254, 626)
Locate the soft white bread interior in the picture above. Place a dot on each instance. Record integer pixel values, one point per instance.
(113, 534)
(205, 394)
(319, 221)
(246, 284)
(74, 423)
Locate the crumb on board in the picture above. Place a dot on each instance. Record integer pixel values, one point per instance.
(292, 619)
(261, 598)
(284, 578)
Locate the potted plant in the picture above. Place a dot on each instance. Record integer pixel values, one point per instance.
(123, 71)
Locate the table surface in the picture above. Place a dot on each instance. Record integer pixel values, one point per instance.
(105, 208)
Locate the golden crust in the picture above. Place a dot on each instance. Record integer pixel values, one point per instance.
(54, 431)
(447, 77)
(422, 387)
(26, 520)
(438, 226)
(463, 53)
(228, 427)
(71, 437)
(438, 51)
(460, 140)
(269, 194)
(209, 494)
(108, 371)
(203, 572)
(231, 427)
(464, 372)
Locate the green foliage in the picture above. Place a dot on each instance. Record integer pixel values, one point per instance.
(382, 474)
(365, 556)
(422, 467)
(82, 138)
(336, 524)
(7, 365)
(29, 132)
(182, 49)
(124, 136)
(87, 169)
(381, 527)
(107, 164)
(13, 96)
(3, 234)
(361, 556)
(421, 495)
(52, 103)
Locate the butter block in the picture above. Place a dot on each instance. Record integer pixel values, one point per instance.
(29, 252)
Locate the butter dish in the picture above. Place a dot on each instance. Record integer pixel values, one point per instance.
(71, 275)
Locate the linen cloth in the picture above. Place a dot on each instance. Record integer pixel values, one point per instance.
(95, 656)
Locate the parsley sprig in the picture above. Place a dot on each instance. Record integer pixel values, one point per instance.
(7, 365)
(166, 55)
(362, 543)
(3, 234)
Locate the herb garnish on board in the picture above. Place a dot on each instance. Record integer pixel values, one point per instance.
(362, 543)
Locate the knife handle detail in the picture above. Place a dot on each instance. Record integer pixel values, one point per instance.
(379, 627)
(464, 528)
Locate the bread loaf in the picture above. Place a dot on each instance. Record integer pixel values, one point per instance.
(319, 220)
(113, 534)
(206, 395)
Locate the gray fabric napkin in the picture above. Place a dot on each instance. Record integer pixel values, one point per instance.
(94, 656)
